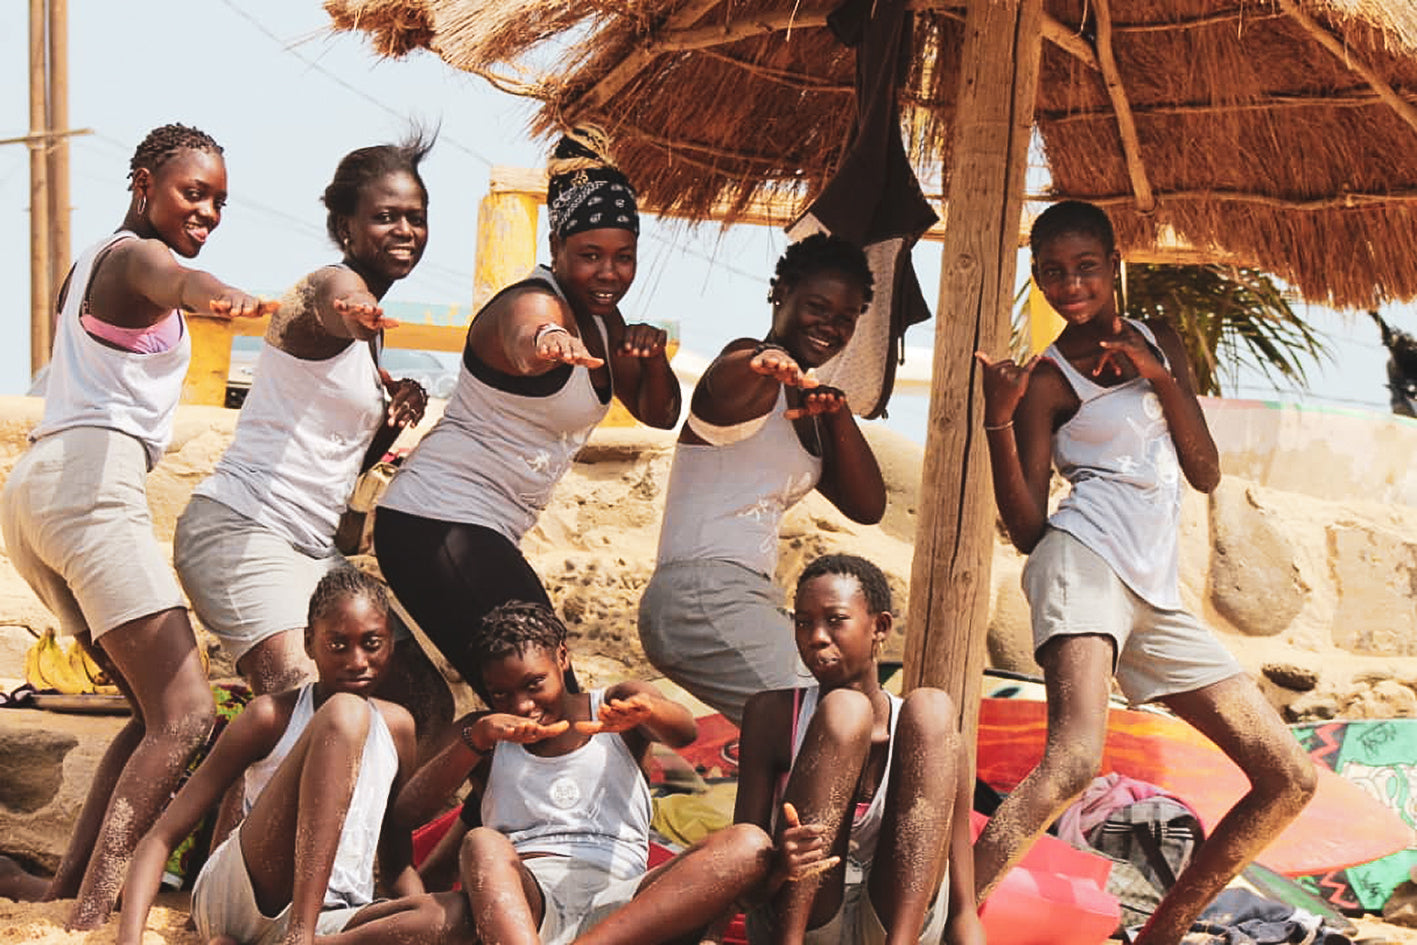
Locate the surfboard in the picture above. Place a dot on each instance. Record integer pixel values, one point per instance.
(1343, 825)
(1380, 757)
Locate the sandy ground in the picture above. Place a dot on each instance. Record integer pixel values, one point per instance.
(43, 924)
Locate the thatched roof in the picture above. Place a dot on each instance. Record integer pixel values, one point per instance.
(1283, 131)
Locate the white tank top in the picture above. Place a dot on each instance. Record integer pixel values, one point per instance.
(300, 439)
(494, 457)
(93, 385)
(726, 503)
(1125, 501)
(352, 876)
(866, 819)
(592, 803)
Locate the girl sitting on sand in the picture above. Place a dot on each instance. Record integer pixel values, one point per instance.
(1112, 403)
(320, 764)
(874, 789)
(542, 360)
(259, 532)
(75, 514)
(761, 434)
(565, 804)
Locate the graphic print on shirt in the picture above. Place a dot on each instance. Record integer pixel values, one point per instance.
(552, 462)
(771, 507)
(1154, 450)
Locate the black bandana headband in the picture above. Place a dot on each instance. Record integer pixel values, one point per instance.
(585, 191)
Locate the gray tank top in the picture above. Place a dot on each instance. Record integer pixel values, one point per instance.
(725, 503)
(494, 457)
(1125, 501)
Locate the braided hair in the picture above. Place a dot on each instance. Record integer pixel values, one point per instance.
(821, 252)
(342, 583)
(1072, 216)
(513, 628)
(584, 189)
(365, 165)
(874, 586)
(164, 143)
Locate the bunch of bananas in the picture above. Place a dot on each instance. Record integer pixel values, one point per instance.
(49, 666)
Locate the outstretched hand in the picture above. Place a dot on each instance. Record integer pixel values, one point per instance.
(780, 366)
(643, 341)
(409, 400)
(1005, 382)
(366, 314)
(803, 848)
(241, 305)
(818, 400)
(565, 348)
(504, 727)
(620, 715)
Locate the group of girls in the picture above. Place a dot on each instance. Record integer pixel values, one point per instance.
(832, 765)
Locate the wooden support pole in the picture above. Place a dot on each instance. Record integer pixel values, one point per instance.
(1126, 123)
(41, 316)
(58, 163)
(506, 231)
(954, 537)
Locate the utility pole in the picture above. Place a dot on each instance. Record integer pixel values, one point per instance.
(58, 163)
(40, 283)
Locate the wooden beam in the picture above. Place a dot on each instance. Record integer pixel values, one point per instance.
(58, 156)
(1126, 124)
(44, 137)
(1347, 201)
(629, 67)
(1357, 98)
(1070, 41)
(1350, 60)
(954, 536)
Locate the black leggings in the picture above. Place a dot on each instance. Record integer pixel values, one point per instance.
(448, 576)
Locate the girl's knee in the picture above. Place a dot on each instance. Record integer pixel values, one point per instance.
(844, 715)
(744, 841)
(1069, 766)
(928, 712)
(345, 714)
(483, 845)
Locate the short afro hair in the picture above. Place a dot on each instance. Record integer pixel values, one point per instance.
(1072, 216)
(874, 586)
(341, 583)
(821, 252)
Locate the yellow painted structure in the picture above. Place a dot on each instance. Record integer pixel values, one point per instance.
(1044, 324)
(506, 231)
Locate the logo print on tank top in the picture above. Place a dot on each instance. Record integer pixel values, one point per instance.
(565, 793)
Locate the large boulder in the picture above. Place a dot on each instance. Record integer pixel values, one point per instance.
(1254, 579)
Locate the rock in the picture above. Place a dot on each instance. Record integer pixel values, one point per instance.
(1010, 640)
(1255, 582)
(1385, 700)
(1290, 676)
(15, 643)
(1375, 573)
(57, 757)
(1312, 706)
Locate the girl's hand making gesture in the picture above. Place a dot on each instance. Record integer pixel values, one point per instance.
(620, 715)
(818, 400)
(366, 315)
(1005, 383)
(484, 734)
(802, 849)
(1127, 345)
(643, 341)
(555, 343)
(235, 304)
(409, 401)
(776, 363)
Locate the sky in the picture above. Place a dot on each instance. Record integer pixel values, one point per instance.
(287, 98)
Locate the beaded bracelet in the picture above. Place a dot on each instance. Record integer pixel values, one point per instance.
(1002, 426)
(550, 328)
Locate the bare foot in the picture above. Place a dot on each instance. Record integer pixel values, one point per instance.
(16, 884)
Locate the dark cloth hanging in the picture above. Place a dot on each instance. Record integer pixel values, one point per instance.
(874, 201)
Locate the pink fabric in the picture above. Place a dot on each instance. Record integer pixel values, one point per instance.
(162, 336)
(1105, 794)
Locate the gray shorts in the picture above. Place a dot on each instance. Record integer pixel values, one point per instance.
(1072, 590)
(246, 582)
(578, 896)
(78, 530)
(856, 921)
(223, 902)
(720, 631)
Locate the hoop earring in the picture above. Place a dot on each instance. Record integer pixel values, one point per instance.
(142, 204)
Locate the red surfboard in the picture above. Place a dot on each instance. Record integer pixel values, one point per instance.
(1342, 826)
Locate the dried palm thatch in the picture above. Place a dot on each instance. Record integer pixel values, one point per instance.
(1281, 131)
